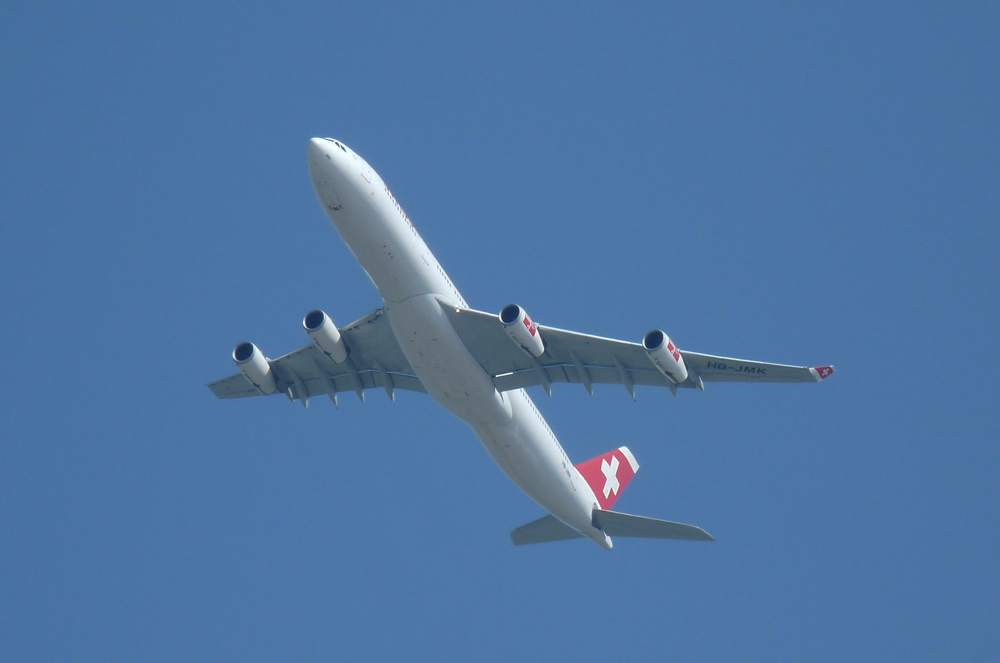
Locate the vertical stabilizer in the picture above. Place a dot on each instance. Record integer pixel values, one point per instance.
(607, 475)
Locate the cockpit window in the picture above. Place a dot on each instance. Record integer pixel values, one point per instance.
(336, 143)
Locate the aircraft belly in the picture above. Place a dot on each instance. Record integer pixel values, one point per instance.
(442, 362)
(529, 453)
(508, 425)
(413, 287)
(380, 239)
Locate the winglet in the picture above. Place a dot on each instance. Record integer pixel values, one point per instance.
(822, 372)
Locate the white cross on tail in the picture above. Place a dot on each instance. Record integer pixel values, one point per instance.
(610, 475)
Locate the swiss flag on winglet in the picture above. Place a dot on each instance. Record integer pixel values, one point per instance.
(824, 371)
(608, 475)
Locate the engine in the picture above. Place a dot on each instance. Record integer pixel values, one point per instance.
(520, 328)
(325, 335)
(252, 363)
(665, 355)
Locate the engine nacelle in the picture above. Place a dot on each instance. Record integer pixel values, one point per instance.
(252, 363)
(325, 335)
(665, 355)
(520, 328)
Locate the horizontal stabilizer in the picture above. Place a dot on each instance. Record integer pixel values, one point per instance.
(543, 530)
(623, 524)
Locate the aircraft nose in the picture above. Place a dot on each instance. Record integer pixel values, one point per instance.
(322, 165)
(317, 148)
(325, 169)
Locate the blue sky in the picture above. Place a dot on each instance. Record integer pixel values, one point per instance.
(807, 185)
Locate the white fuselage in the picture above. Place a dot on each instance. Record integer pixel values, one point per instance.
(414, 287)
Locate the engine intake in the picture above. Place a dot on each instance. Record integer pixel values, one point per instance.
(253, 364)
(665, 356)
(325, 335)
(521, 329)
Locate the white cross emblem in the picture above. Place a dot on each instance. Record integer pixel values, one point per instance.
(610, 476)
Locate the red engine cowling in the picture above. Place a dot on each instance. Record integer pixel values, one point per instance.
(665, 355)
(325, 335)
(253, 364)
(521, 329)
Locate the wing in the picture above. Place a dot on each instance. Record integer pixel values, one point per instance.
(374, 361)
(589, 360)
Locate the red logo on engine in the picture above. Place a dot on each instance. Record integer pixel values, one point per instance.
(672, 349)
(532, 327)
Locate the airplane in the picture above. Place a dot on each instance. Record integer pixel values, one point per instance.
(426, 338)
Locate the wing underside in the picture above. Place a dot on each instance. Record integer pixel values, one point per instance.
(375, 361)
(588, 360)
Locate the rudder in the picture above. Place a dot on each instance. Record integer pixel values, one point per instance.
(608, 474)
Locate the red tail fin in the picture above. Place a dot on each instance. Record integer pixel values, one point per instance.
(608, 475)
